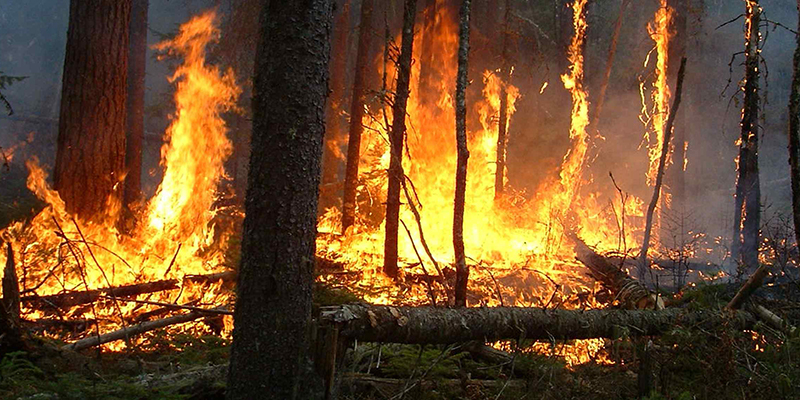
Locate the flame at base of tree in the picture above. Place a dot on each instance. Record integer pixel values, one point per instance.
(175, 233)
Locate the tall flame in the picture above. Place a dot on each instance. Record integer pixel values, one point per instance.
(659, 30)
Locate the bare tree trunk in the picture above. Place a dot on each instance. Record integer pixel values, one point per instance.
(356, 115)
(747, 212)
(90, 157)
(271, 346)
(673, 111)
(462, 270)
(612, 51)
(137, 61)
(676, 176)
(396, 139)
(336, 101)
(794, 136)
(502, 126)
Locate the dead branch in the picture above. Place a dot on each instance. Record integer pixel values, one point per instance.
(137, 329)
(753, 283)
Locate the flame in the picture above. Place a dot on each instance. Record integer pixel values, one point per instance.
(659, 30)
(57, 253)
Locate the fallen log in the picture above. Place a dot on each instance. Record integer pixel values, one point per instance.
(749, 287)
(70, 299)
(630, 292)
(133, 330)
(424, 325)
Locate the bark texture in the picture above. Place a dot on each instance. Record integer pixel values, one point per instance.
(423, 325)
(90, 157)
(137, 60)
(397, 138)
(462, 270)
(747, 207)
(270, 353)
(794, 136)
(359, 99)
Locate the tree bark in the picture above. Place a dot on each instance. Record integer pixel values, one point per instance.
(357, 115)
(673, 111)
(794, 136)
(336, 100)
(425, 325)
(502, 126)
(270, 352)
(676, 176)
(11, 300)
(90, 155)
(747, 207)
(397, 138)
(462, 270)
(137, 61)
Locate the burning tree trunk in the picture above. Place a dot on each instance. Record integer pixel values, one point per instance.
(135, 118)
(425, 325)
(502, 126)
(462, 271)
(90, 157)
(333, 125)
(270, 353)
(643, 263)
(396, 139)
(356, 115)
(676, 176)
(794, 136)
(10, 333)
(747, 207)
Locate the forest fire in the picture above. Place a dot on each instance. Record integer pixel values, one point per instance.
(530, 255)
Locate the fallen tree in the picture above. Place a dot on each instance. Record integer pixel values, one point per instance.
(424, 325)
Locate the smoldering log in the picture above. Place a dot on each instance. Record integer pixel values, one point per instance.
(423, 325)
(630, 292)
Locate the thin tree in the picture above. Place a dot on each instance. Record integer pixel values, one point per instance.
(359, 99)
(396, 139)
(90, 154)
(612, 52)
(747, 207)
(462, 270)
(794, 135)
(270, 353)
(336, 101)
(137, 61)
(676, 176)
(502, 126)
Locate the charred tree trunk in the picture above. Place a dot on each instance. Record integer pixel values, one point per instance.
(425, 325)
(502, 126)
(462, 270)
(356, 115)
(90, 157)
(747, 207)
(10, 332)
(270, 353)
(137, 60)
(794, 136)
(396, 139)
(662, 161)
(336, 100)
(676, 176)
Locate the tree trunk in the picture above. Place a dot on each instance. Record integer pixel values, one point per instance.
(396, 139)
(612, 51)
(336, 100)
(356, 115)
(794, 136)
(426, 325)
(90, 157)
(137, 60)
(270, 353)
(462, 270)
(747, 210)
(676, 176)
(502, 126)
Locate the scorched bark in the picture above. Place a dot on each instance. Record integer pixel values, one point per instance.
(462, 270)
(135, 117)
(270, 352)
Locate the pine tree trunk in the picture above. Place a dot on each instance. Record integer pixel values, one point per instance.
(356, 115)
(137, 60)
(462, 270)
(794, 136)
(747, 214)
(336, 100)
(270, 353)
(90, 157)
(502, 126)
(396, 139)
